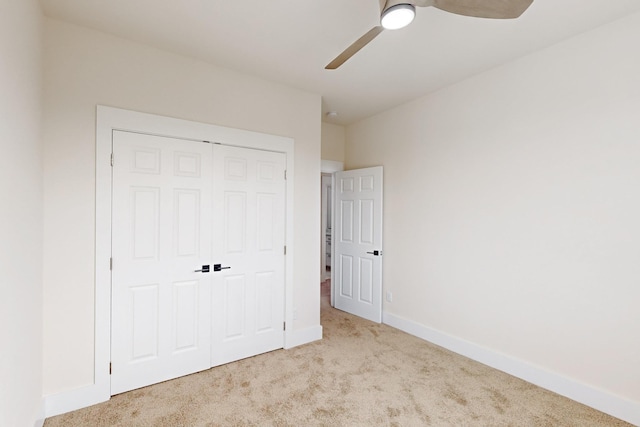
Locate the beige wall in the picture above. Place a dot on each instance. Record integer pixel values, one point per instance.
(20, 213)
(512, 208)
(84, 68)
(333, 141)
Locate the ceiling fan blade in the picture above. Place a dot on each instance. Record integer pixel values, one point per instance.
(355, 47)
(496, 9)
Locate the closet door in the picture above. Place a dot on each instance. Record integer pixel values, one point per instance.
(248, 245)
(162, 208)
(198, 259)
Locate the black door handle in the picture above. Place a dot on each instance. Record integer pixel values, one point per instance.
(219, 267)
(375, 253)
(204, 269)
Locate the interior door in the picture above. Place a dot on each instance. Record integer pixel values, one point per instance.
(357, 239)
(162, 211)
(249, 233)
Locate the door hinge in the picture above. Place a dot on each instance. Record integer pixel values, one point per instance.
(109, 368)
(110, 263)
(111, 159)
(285, 174)
(284, 326)
(285, 250)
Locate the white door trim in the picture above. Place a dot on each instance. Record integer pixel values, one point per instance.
(331, 166)
(326, 182)
(109, 119)
(328, 166)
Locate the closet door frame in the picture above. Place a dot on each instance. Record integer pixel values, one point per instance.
(110, 119)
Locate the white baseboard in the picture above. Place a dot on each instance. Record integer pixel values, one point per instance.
(303, 336)
(79, 398)
(60, 403)
(39, 422)
(601, 400)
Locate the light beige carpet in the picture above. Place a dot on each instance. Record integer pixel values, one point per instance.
(360, 374)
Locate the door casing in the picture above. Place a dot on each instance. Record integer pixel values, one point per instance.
(328, 167)
(110, 119)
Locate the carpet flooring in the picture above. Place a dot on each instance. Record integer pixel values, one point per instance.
(360, 374)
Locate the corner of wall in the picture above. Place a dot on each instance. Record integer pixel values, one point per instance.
(300, 337)
(42, 414)
(67, 401)
(333, 142)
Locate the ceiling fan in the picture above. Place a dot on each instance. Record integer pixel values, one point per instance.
(397, 14)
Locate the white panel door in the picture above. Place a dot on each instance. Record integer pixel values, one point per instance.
(248, 242)
(357, 236)
(161, 234)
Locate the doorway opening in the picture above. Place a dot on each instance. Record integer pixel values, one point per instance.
(327, 260)
(327, 192)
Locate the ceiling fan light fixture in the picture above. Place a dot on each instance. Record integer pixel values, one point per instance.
(398, 16)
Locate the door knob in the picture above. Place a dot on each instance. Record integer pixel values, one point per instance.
(375, 253)
(204, 269)
(219, 267)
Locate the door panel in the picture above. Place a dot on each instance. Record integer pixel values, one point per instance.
(145, 205)
(160, 306)
(346, 276)
(234, 297)
(266, 288)
(366, 221)
(346, 225)
(366, 280)
(143, 313)
(265, 225)
(248, 298)
(185, 297)
(235, 204)
(358, 228)
(186, 222)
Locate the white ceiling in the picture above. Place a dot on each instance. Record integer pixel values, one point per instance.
(290, 41)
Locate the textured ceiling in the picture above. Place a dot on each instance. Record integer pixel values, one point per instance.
(291, 41)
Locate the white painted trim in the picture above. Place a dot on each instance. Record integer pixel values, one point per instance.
(334, 212)
(601, 400)
(67, 401)
(108, 120)
(331, 166)
(323, 223)
(302, 336)
(42, 414)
